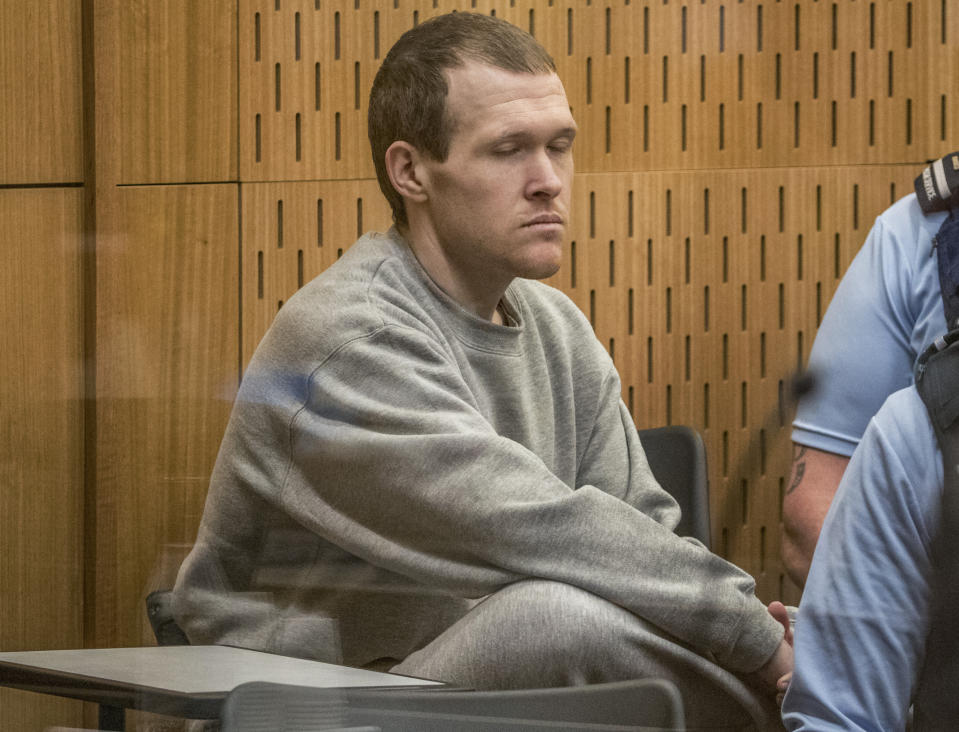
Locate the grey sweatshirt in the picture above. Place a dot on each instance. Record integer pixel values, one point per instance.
(391, 459)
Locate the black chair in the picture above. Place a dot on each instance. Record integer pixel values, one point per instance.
(677, 457)
(647, 704)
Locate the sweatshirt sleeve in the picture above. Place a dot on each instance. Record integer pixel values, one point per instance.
(687, 574)
(413, 479)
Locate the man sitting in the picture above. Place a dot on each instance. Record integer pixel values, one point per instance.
(434, 444)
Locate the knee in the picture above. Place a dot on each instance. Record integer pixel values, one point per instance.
(547, 596)
(576, 621)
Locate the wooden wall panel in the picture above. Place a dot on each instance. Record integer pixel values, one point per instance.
(306, 71)
(41, 316)
(653, 85)
(758, 83)
(707, 287)
(41, 436)
(40, 112)
(175, 66)
(167, 369)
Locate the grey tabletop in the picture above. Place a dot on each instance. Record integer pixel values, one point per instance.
(184, 681)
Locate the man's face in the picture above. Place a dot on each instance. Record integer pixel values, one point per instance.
(499, 204)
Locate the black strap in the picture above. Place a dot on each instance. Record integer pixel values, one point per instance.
(946, 243)
(937, 189)
(937, 696)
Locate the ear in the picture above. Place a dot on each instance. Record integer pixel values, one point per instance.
(407, 174)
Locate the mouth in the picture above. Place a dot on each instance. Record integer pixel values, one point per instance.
(545, 220)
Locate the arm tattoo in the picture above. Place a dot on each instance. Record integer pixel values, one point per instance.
(799, 460)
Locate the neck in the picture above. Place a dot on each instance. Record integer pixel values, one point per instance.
(478, 297)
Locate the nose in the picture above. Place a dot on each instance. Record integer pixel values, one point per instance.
(546, 176)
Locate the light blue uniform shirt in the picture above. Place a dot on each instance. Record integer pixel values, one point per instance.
(886, 310)
(862, 624)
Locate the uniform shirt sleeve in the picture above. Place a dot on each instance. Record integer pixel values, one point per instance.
(864, 614)
(886, 309)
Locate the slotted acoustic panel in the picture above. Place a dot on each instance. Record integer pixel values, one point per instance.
(654, 85)
(731, 159)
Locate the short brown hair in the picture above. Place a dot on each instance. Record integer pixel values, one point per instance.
(408, 97)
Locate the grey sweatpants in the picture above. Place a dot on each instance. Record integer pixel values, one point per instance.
(536, 633)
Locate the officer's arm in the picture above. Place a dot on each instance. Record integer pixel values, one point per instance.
(812, 485)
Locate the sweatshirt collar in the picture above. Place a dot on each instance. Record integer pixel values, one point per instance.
(469, 328)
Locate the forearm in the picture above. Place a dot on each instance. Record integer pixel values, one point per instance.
(812, 485)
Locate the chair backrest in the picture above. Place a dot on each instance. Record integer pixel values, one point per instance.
(677, 457)
(650, 704)
(160, 614)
